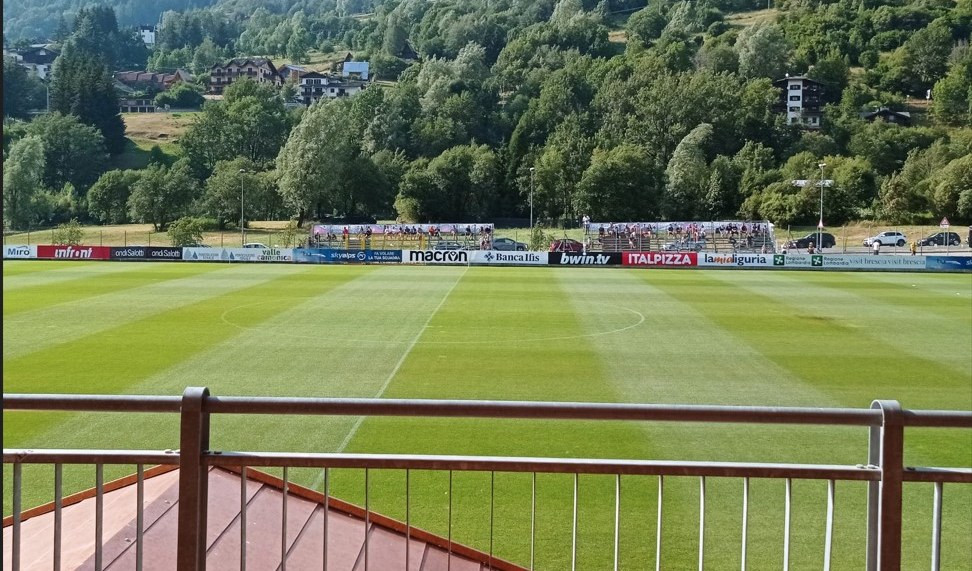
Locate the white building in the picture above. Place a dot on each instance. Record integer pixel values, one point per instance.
(37, 59)
(148, 34)
(314, 86)
(802, 100)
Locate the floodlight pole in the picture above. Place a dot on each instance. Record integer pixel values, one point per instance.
(242, 235)
(820, 224)
(532, 170)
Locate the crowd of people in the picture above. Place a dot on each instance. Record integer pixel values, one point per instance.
(679, 235)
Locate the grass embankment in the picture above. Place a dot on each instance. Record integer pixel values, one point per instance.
(720, 337)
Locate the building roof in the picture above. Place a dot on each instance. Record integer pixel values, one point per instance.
(305, 516)
(800, 182)
(884, 112)
(257, 61)
(798, 77)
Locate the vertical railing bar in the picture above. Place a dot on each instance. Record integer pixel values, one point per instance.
(873, 498)
(139, 514)
(936, 554)
(533, 520)
(17, 482)
(449, 560)
(58, 505)
(327, 510)
(99, 513)
(786, 524)
(573, 543)
(367, 518)
(701, 523)
(408, 521)
(745, 521)
(829, 546)
(243, 502)
(658, 527)
(617, 519)
(492, 503)
(283, 524)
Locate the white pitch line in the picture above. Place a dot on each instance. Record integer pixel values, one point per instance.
(388, 380)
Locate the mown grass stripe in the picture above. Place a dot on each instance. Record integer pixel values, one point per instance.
(493, 318)
(31, 273)
(44, 327)
(84, 285)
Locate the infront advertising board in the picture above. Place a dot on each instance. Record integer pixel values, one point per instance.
(953, 263)
(436, 256)
(332, 256)
(21, 252)
(238, 254)
(581, 259)
(74, 252)
(666, 259)
(147, 253)
(497, 257)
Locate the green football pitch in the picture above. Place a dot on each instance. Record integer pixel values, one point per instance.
(554, 334)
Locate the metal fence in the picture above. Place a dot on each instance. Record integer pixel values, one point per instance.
(884, 470)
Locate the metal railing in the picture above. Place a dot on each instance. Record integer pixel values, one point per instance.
(884, 470)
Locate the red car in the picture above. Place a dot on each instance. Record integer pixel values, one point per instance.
(566, 245)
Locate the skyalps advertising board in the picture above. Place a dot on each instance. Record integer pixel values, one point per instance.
(334, 256)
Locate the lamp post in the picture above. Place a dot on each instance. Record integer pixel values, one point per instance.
(820, 224)
(242, 235)
(532, 170)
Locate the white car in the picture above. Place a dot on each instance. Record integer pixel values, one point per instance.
(889, 238)
(255, 245)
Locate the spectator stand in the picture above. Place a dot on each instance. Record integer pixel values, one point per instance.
(401, 236)
(749, 236)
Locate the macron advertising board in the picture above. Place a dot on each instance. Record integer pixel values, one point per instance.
(74, 252)
(437, 256)
(238, 254)
(503, 257)
(19, 252)
(333, 256)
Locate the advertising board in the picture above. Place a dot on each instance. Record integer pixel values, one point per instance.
(498, 257)
(238, 254)
(19, 252)
(581, 259)
(74, 252)
(849, 262)
(735, 260)
(654, 259)
(436, 256)
(332, 256)
(147, 253)
(953, 263)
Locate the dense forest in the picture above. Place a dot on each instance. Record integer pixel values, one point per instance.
(613, 109)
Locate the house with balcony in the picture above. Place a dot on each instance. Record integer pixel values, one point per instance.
(258, 69)
(314, 86)
(888, 115)
(802, 101)
(38, 59)
(151, 82)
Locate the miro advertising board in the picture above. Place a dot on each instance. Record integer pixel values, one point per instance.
(19, 252)
(238, 254)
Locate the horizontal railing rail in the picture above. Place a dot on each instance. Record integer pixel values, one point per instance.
(884, 470)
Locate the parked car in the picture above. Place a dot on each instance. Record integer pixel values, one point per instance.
(447, 245)
(508, 244)
(566, 245)
(684, 246)
(198, 245)
(889, 238)
(255, 245)
(826, 241)
(940, 239)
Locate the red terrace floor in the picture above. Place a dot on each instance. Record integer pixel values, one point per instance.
(305, 530)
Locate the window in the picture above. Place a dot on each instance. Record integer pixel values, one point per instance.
(794, 98)
(794, 109)
(795, 87)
